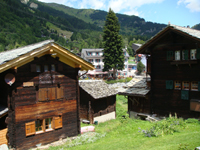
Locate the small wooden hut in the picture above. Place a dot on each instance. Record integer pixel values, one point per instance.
(39, 95)
(173, 64)
(97, 101)
(137, 93)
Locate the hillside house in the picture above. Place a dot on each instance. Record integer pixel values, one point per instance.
(39, 98)
(97, 101)
(173, 64)
(95, 56)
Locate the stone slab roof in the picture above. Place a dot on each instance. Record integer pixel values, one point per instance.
(136, 87)
(3, 110)
(97, 88)
(191, 33)
(14, 53)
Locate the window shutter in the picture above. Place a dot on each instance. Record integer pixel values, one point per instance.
(199, 86)
(51, 93)
(185, 54)
(58, 122)
(185, 94)
(33, 67)
(170, 55)
(60, 92)
(169, 84)
(30, 128)
(198, 53)
(42, 96)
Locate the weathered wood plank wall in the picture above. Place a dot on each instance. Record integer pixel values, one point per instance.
(166, 101)
(26, 106)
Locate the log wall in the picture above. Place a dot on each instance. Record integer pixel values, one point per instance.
(165, 101)
(25, 105)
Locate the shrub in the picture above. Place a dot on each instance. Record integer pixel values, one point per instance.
(140, 67)
(165, 126)
(85, 138)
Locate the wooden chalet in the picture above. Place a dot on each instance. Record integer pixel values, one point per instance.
(174, 66)
(137, 92)
(39, 98)
(97, 101)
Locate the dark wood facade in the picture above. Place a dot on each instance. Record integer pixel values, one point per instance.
(139, 104)
(174, 71)
(25, 106)
(91, 107)
(39, 98)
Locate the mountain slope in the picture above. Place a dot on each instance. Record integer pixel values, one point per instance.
(130, 25)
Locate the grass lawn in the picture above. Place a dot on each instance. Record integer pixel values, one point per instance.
(123, 134)
(130, 60)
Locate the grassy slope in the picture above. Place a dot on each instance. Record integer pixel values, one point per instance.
(68, 34)
(126, 136)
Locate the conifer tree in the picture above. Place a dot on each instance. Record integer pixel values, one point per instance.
(112, 43)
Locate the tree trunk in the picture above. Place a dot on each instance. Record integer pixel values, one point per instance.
(114, 73)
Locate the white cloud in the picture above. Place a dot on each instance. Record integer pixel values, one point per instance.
(192, 5)
(53, 1)
(129, 7)
(94, 4)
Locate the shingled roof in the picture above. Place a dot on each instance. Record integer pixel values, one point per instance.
(97, 88)
(17, 57)
(191, 33)
(136, 87)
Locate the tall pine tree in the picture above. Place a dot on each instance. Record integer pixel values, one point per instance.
(112, 43)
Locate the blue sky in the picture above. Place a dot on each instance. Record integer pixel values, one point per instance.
(178, 12)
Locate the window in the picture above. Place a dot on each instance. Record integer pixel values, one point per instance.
(177, 55)
(89, 54)
(185, 55)
(38, 68)
(43, 125)
(90, 60)
(46, 68)
(97, 53)
(39, 126)
(193, 54)
(169, 84)
(97, 60)
(194, 86)
(177, 85)
(184, 94)
(48, 124)
(170, 55)
(98, 67)
(53, 68)
(185, 85)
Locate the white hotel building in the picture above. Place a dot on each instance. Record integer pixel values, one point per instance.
(95, 56)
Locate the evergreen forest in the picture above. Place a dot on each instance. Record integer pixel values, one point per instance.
(23, 22)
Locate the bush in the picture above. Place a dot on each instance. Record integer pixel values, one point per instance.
(140, 67)
(119, 80)
(165, 126)
(85, 138)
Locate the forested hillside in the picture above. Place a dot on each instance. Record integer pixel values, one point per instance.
(33, 21)
(130, 25)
